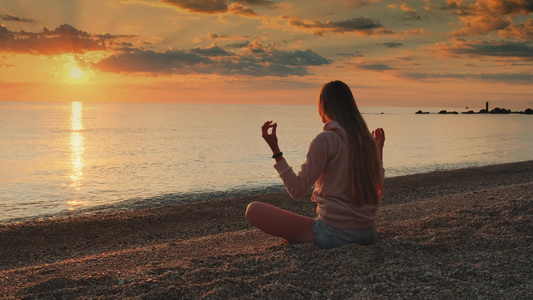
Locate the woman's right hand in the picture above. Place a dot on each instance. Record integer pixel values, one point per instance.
(271, 138)
(379, 137)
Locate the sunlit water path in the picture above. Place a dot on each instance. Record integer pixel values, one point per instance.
(59, 159)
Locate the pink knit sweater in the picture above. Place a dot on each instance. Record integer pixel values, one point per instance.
(327, 166)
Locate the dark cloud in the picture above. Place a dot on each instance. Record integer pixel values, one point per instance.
(200, 6)
(294, 58)
(211, 52)
(494, 48)
(239, 45)
(150, 61)
(218, 6)
(108, 36)
(513, 78)
(519, 78)
(356, 53)
(16, 19)
(360, 3)
(126, 44)
(392, 45)
(362, 25)
(411, 16)
(256, 2)
(254, 61)
(451, 6)
(227, 37)
(374, 67)
(63, 39)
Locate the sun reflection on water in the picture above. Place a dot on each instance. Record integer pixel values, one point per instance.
(77, 147)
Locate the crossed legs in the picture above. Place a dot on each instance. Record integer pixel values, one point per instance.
(279, 222)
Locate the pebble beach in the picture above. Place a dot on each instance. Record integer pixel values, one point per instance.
(460, 234)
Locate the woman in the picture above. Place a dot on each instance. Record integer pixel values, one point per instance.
(345, 164)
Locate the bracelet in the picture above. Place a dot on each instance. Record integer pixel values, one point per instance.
(277, 155)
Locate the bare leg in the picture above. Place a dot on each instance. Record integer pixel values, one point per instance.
(279, 222)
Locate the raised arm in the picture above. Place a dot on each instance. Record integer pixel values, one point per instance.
(271, 138)
(297, 184)
(379, 137)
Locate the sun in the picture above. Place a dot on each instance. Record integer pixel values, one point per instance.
(76, 72)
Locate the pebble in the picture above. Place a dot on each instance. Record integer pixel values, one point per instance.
(404, 267)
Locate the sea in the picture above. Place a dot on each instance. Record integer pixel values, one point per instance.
(69, 159)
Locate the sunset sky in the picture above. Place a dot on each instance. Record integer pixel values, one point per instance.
(424, 53)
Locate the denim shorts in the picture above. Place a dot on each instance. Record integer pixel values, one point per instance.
(327, 237)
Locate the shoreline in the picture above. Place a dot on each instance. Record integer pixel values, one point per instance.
(445, 234)
(171, 199)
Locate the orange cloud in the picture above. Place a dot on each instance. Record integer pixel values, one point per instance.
(415, 31)
(410, 13)
(429, 7)
(518, 31)
(363, 26)
(239, 9)
(64, 39)
(485, 16)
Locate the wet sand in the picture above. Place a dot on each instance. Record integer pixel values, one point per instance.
(462, 234)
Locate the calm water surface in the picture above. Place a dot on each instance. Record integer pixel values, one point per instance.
(58, 159)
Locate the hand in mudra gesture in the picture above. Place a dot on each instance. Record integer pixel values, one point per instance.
(271, 138)
(379, 136)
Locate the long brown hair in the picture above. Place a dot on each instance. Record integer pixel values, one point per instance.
(336, 103)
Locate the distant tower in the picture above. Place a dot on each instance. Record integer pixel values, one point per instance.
(487, 106)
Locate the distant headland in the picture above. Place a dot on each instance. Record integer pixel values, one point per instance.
(497, 110)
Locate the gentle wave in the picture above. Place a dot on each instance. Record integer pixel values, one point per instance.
(152, 202)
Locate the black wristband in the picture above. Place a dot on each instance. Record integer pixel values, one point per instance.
(277, 155)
